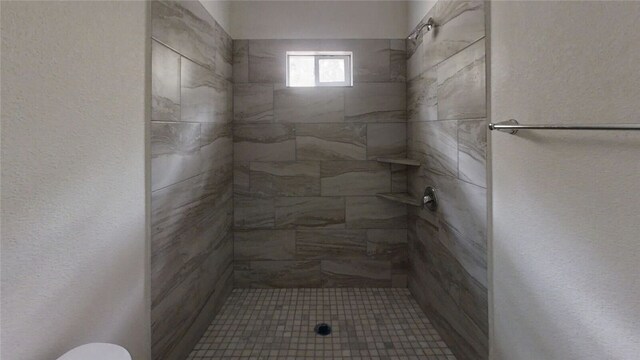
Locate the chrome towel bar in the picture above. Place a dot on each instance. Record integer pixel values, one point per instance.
(512, 126)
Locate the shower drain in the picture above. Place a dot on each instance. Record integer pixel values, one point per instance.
(322, 329)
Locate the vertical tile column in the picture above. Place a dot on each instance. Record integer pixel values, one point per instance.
(446, 108)
(305, 175)
(191, 174)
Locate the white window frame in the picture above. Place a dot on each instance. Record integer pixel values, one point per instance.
(347, 56)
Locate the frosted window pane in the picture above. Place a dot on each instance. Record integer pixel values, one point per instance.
(301, 71)
(331, 70)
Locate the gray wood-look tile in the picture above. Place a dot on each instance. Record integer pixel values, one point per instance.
(309, 212)
(415, 58)
(398, 70)
(190, 239)
(213, 132)
(202, 290)
(461, 84)
(241, 178)
(175, 153)
(435, 144)
(462, 207)
(356, 273)
(223, 287)
(240, 61)
(399, 280)
(472, 151)
(224, 53)
(375, 102)
(331, 244)
(308, 105)
(467, 295)
(380, 242)
(387, 140)
(186, 233)
(331, 141)
(267, 58)
(216, 143)
(281, 183)
(253, 103)
(398, 178)
(464, 28)
(205, 96)
(370, 212)
(371, 57)
(459, 24)
(470, 256)
(447, 249)
(465, 337)
(251, 212)
(186, 27)
(173, 200)
(300, 178)
(422, 97)
(255, 245)
(341, 178)
(264, 142)
(169, 201)
(446, 11)
(165, 83)
(389, 245)
(277, 274)
(189, 208)
(192, 171)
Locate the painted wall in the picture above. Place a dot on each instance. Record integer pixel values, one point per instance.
(318, 19)
(74, 249)
(446, 132)
(220, 10)
(566, 204)
(416, 10)
(306, 214)
(191, 174)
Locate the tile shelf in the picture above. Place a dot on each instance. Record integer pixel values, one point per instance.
(401, 161)
(402, 198)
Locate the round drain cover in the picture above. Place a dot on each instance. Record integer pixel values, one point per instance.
(323, 329)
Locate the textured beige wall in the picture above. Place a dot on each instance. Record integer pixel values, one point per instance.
(74, 250)
(566, 204)
(318, 19)
(220, 10)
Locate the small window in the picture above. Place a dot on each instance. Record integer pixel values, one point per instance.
(319, 68)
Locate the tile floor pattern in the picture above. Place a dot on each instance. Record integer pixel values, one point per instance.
(279, 324)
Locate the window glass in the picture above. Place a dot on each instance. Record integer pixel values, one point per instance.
(319, 68)
(331, 70)
(302, 71)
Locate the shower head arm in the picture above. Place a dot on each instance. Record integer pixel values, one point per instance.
(429, 25)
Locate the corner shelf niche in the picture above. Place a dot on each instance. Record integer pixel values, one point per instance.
(408, 162)
(402, 198)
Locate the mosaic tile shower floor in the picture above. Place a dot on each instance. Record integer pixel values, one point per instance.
(279, 324)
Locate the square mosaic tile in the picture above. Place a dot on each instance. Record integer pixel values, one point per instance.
(279, 324)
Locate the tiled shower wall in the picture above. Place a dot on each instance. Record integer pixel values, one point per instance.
(305, 175)
(191, 174)
(447, 133)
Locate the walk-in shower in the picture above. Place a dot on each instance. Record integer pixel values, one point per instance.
(319, 198)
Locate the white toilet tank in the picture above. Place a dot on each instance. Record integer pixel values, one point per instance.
(97, 351)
